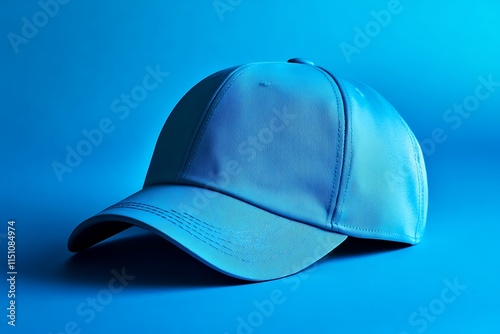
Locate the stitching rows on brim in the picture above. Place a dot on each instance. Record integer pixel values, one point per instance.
(198, 229)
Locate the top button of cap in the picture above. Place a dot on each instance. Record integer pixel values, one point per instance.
(300, 61)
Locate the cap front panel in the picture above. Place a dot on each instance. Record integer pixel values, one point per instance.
(274, 138)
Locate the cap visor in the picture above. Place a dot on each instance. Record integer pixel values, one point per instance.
(227, 234)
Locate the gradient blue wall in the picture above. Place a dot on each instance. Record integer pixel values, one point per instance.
(64, 72)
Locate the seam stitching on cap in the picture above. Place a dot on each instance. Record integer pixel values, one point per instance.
(379, 231)
(211, 111)
(419, 176)
(335, 188)
(347, 186)
(348, 110)
(176, 221)
(172, 214)
(164, 214)
(192, 137)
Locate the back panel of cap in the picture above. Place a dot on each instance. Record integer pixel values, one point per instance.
(384, 192)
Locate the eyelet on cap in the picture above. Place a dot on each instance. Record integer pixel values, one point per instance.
(300, 61)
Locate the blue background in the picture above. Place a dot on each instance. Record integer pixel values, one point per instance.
(63, 79)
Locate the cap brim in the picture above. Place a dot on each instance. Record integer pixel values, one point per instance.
(227, 234)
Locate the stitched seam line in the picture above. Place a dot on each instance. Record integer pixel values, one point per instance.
(347, 184)
(192, 137)
(348, 109)
(378, 231)
(335, 189)
(419, 176)
(167, 215)
(195, 233)
(211, 111)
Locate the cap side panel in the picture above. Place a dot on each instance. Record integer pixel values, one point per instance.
(348, 155)
(208, 115)
(383, 195)
(179, 131)
(422, 183)
(425, 191)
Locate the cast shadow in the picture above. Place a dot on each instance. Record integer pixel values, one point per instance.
(150, 258)
(156, 262)
(362, 247)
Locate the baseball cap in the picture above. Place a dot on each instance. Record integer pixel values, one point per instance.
(262, 169)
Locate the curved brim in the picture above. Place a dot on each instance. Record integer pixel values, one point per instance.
(227, 234)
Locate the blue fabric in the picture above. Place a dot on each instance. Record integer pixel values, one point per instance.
(229, 235)
(385, 185)
(283, 126)
(272, 167)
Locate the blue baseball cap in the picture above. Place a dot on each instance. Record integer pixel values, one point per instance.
(263, 169)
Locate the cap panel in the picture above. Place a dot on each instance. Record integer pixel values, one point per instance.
(422, 175)
(274, 139)
(176, 137)
(385, 189)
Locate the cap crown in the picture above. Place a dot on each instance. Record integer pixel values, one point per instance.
(293, 140)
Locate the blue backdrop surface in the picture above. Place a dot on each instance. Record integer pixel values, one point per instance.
(67, 68)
